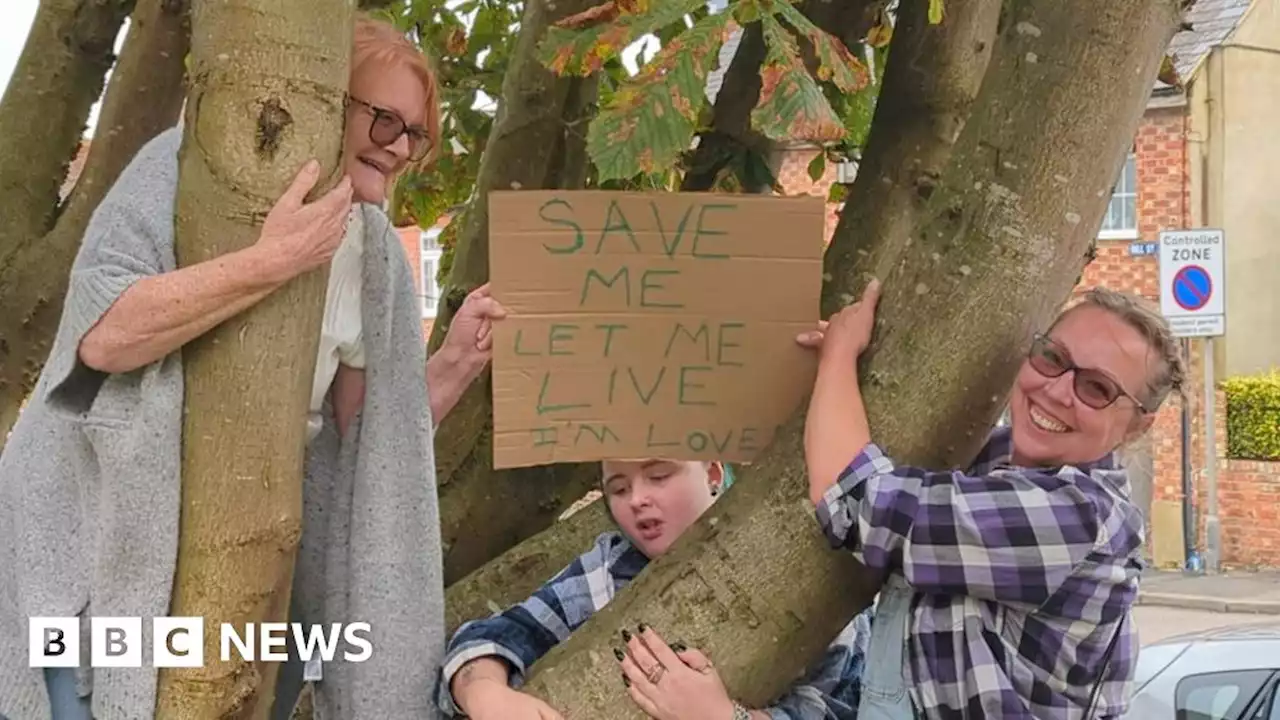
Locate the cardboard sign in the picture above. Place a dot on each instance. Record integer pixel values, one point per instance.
(649, 324)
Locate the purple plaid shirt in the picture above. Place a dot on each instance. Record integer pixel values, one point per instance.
(1022, 577)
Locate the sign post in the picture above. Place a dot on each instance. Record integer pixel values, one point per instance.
(1192, 298)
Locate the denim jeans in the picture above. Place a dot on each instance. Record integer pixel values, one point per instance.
(68, 705)
(885, 694)
(65, 702)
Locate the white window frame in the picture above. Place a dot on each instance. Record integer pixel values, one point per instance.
(429, 252)
(1122, 194)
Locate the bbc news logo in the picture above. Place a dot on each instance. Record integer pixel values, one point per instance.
(178, 642)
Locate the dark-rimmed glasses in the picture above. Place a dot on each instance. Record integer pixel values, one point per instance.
(1092, 387)
(387, 127)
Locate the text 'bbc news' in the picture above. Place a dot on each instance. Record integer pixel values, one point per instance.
(179, 641)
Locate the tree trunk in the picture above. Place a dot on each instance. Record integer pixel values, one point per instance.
(998, 246)
(57, 80)
(538, 142)
(487, 512)
(935, 73)
(514, 575)
(144, 97)
(248, 381)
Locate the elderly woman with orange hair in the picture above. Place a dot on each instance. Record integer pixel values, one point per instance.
(89, 478)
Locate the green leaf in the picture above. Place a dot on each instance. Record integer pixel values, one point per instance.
(859, 108)
(650, 120)
(582, 52)
(818, 167)
(935, 12)
(835, 63)
(792, 105)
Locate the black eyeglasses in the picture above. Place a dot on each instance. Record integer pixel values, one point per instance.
(1093, 387)
(387, 127)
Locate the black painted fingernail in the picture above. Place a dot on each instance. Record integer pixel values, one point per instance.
(679, 647)
(626, 636)
(642, 627)
(619, 654)
(626, 680)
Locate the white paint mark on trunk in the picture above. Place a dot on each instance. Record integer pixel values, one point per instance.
(1026, 28)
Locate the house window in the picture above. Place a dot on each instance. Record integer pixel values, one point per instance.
(430, 268)
(1121, 220)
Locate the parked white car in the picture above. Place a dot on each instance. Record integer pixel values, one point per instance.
(1222, 674)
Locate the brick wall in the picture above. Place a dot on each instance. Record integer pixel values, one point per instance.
(793, 176)
(1249, 513)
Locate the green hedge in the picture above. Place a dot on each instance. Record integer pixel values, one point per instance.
(1253, 416)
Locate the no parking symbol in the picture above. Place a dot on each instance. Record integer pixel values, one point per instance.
(1192, 274)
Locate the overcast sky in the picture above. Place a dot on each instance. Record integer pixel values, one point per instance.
(15, 23)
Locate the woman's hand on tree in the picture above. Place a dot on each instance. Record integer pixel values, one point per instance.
(298, 236)
(848, 333)
(687, 686)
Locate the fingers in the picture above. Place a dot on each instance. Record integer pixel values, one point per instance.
(640, 653)
(635, 673)
(338, 199)
(302, 183)
(484, 336)
(811, 339)
(487, 307)
(871, 294)
(658, 647)
(695, 660)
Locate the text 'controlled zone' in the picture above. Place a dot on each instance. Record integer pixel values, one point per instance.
(643, 324)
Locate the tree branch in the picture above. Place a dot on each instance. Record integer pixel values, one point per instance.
(144, 97)
(536, 142)
(57, 80)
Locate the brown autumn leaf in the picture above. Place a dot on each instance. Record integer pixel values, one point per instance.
(456, 42)
(880, 35)
(608, 12)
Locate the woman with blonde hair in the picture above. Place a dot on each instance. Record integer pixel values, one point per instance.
(1008, 585)
(89, 479)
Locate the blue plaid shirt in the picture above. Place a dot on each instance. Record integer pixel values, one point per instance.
(1022, 577)
(523, 633)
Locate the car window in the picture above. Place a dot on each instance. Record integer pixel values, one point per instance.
(1218, 696)
(1275, 704)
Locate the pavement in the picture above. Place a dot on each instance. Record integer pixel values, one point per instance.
(1227, 592)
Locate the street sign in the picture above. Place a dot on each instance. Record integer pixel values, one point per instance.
(1141, 249)
(1193, 281)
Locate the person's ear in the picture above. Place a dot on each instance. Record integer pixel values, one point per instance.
(1139, 426)
(715, 477)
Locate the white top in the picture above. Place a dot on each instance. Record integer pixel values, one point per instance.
(341, 338)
